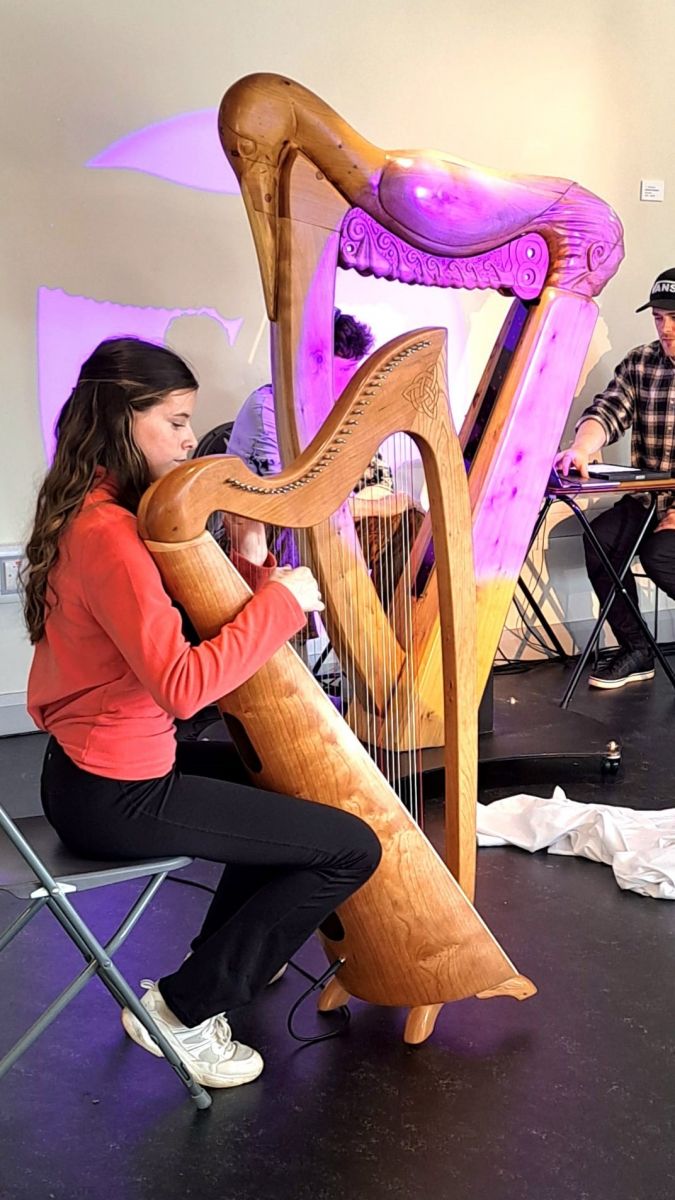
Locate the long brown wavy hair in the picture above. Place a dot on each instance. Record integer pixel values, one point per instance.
(95, 429)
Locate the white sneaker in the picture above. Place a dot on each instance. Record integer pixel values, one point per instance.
(207, 1050)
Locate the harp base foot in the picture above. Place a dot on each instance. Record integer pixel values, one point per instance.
(332, 996)
(420, 1023)
(518, 986)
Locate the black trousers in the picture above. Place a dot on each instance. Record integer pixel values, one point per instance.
(290, 862)
(616, 530)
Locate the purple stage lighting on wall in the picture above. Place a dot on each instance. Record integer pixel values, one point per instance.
(68, 329)
(184, 149)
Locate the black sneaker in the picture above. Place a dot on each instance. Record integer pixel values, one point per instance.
(625, 666)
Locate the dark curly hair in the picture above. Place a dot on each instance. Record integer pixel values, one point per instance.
(94, 429)
(351, 339)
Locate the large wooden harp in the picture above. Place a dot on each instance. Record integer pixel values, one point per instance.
(410, 936)
(319, 196)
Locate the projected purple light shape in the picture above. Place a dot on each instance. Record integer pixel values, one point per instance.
(184, 149)
(68, 329)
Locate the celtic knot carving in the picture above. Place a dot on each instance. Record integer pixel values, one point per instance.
(423, 393)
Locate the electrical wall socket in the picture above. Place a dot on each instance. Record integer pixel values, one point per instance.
(11, 558)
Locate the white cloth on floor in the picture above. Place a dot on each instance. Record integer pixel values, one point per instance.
(638, 846)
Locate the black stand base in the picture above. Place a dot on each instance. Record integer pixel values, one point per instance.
(546, 732)
(515, 731)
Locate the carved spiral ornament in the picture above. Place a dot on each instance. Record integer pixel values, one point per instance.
(520, 266)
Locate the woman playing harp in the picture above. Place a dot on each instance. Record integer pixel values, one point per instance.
(111, 669)
(410, 936)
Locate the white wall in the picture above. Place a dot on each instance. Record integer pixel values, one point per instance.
(579, 91)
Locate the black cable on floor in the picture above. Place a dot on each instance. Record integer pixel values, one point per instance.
(342, 1011)
(191, 883)
(315, 984)
(515, 666)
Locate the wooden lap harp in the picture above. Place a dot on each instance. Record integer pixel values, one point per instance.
(319, 196)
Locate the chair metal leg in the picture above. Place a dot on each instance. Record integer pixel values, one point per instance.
(21, 921)
(93, 966)
(116, 983)
(100, 963)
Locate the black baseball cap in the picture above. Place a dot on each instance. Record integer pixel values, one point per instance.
(662, 294)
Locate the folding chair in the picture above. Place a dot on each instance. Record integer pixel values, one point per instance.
(36, 866)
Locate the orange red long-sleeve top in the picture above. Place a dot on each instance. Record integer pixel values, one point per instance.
(113, 667)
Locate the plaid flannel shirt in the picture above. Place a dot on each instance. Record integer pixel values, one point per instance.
(641, 395)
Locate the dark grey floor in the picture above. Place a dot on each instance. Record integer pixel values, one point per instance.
(569, 1095)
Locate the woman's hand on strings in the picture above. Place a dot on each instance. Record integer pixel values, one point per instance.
(302, 584)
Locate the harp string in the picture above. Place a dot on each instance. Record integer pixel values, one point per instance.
(386, 537)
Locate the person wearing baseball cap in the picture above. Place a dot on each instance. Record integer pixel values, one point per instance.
(662, 295)
(640, 397)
